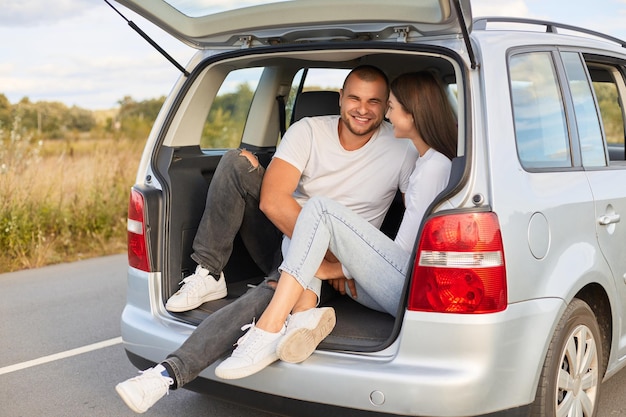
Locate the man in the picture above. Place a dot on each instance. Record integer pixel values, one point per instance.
(352, 158)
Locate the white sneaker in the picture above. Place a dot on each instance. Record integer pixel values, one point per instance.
(305, 331)
(255, 350)
(198, 288)
(141, 392)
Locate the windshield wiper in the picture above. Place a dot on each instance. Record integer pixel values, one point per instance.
(150, 41)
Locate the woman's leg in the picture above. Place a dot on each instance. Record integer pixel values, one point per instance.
(322, 224)
(378, 265)
(288, 293)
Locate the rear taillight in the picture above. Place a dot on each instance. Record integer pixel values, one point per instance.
(460, 266)
(137, 248)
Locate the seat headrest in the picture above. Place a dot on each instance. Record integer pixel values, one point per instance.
(315, 103)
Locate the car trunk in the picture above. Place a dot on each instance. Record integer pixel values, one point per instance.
(189, 178)
(392, 38)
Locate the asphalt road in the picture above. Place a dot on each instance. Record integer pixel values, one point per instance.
(61, 353)
(60, 347)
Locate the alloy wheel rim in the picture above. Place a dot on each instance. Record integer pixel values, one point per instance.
(577, 380)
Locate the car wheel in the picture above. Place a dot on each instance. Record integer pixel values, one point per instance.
(570, 379)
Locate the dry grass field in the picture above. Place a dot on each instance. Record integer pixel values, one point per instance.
(63, 200)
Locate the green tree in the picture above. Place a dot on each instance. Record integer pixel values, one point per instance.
(26, 112)
(51, 119)
(6, 112)
(226, 120)
(611, 111)
(80, 119)
(136, 117)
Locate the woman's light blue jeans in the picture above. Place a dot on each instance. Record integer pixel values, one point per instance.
(378, 265)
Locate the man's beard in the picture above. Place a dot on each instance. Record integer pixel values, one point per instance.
(346, 119)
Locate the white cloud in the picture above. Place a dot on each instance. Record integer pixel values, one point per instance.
(517, 8)
(81, 52)
(607, 16)
(90, 58)
(35, 12)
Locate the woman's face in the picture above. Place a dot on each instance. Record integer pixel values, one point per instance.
(402, 121)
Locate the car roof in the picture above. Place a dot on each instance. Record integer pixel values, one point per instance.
(205, 24)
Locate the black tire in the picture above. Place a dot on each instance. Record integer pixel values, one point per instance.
(572, 373)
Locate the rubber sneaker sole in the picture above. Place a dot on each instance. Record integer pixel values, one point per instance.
(297, 345)
(244, 372)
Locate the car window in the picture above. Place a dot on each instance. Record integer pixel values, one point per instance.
(587, 120)
(315, 79)
(539, 117)
(607, 83)
(223, 127)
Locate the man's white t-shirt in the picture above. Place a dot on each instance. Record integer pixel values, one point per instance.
(429, 178)
(365, 180)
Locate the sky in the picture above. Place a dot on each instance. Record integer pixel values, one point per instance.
(81, 52)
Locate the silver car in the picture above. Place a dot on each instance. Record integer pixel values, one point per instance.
(515, 302)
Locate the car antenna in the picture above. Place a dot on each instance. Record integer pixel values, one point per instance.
(150, 41)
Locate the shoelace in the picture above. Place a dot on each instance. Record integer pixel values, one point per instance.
(158, 379)
(250, 333)
(192, 282)
(244, 328)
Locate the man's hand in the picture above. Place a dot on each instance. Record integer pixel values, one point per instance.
(339, 284)
(330, 270)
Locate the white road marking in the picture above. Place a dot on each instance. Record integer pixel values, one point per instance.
(61, 355)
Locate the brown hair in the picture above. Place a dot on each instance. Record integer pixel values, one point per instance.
(422, 95)
(368, 73)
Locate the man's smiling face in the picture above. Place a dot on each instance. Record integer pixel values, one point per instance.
(363, 105)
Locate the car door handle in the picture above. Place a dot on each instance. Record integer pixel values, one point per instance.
(608, 219)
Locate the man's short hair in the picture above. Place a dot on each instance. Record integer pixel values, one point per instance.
(367, 73)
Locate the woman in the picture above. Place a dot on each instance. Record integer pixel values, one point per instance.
(418, 110)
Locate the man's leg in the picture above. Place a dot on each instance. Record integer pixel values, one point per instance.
(217, 334)
(213, 338)
(232, 204)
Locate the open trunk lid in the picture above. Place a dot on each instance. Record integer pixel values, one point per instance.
(215, 24)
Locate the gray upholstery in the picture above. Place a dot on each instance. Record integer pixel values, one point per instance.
(315, 103)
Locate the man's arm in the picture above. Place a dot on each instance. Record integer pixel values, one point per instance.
(277, 202)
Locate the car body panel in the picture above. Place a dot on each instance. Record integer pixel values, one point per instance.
(610, 201)
(415, 376)
(555, 249)
(300, 21)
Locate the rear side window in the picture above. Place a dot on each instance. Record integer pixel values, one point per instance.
(587, 118)
(225, 123)
(539, 115)
(608, 85)
(315, 79)
(223, 127)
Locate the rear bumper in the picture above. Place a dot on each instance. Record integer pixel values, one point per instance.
(440, 365)
(270, 403)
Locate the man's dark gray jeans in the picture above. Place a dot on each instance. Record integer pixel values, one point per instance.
(217, 334)
(232, 206)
